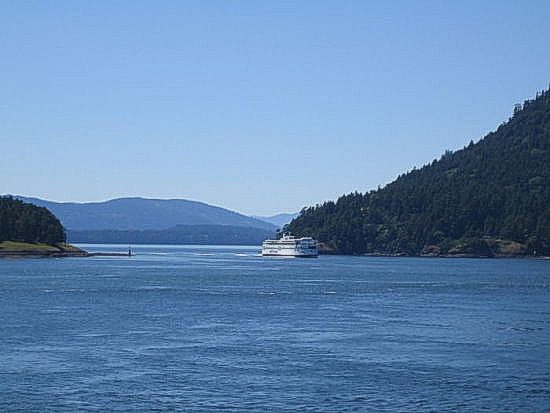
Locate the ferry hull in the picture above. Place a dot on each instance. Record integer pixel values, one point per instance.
(289, 254)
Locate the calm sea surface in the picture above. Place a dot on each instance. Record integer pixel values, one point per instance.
(192, 328)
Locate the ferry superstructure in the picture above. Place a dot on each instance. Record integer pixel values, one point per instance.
(290, 246)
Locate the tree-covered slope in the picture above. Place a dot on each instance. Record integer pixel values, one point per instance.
(492, 196)
(181, 234)
(24, 222)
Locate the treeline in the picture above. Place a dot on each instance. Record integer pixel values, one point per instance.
(180, 234)
(20, 221)
(495, 189)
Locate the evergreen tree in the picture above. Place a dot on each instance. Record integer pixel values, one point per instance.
(20, 221)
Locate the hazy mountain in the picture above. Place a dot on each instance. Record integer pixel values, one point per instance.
(278, 220)
(490, 198)
(144, 214)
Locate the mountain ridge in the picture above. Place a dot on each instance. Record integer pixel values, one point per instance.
(137, 213)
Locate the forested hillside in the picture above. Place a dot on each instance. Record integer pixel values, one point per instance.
(20, 221)
(181, 234)
(490, 198)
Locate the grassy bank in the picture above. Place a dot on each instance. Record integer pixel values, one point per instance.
(24, 249)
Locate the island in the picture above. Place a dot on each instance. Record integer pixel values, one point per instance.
(488, 199)
(27, 230)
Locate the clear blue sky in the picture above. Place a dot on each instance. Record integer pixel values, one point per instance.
(260, 107)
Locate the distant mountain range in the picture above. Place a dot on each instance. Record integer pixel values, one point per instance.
(140, 214)
(278, 220)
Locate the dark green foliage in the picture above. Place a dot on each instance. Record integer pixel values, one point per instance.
(497, 188)
(181, 234)
(20, 221)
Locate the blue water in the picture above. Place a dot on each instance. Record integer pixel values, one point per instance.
(220, 328)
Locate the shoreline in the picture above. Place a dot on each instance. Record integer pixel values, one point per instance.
(442, 256)
(60, 254)
(21, 250)
(14, 249)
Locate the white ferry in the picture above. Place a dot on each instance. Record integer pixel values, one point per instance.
(289, 246)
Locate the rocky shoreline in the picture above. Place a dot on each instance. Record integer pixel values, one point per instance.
(491, 248)
(28, 250)
(35, 254)
(83, 254)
